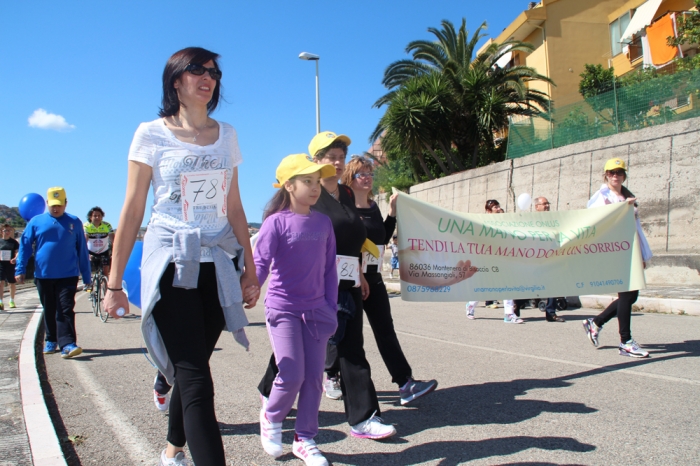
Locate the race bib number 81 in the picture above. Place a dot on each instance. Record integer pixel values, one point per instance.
(204, 189)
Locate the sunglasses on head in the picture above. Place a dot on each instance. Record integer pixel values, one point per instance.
(198, 70)
(616, 172)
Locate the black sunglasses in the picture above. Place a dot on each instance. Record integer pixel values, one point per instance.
(198, 70)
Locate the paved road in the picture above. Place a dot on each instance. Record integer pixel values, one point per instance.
(537, 393)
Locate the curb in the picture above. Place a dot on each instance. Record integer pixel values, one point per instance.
(43, 441)
(643, 304)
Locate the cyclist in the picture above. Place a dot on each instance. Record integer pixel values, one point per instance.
(99, 236)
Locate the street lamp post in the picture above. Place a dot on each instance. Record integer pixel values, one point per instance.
(316, 58)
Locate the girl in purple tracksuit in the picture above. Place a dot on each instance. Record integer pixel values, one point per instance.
(296, 247)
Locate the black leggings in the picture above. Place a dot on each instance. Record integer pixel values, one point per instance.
(190, 322)
(378, 312)
(622, 308)
(359, 394)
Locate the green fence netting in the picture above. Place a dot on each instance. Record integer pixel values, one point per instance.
(654, 102)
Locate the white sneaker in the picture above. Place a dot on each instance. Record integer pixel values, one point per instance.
(179, 460)
(512, 319)
(162, 402)
(270, 435)
(308, 452)
(373, 428)
(332, 388)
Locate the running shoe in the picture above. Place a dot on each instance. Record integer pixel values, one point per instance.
(50, 347)
(12, 304)
(592, 331)
(70, 350)
(512, 319)
(162, 402)
(470, 316)
(373, 428)
(179, 460)
(332, 388)
(270, 435)
(632, 349)
(308, 452)
(415, 389)
(493, 305)
(553, 318)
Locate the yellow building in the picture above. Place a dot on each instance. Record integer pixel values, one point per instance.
(567, 34)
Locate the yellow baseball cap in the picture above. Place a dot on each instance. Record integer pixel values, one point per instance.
(299, 164)
(614, 164)
(325, 139)
(56, 196)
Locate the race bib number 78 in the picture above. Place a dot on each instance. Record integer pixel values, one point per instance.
(201, 190)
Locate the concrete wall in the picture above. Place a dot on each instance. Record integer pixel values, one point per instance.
(664, 174)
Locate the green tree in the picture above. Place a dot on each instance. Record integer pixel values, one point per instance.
(473, 99)
(688, 27)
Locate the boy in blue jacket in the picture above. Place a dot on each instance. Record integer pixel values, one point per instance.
(61, 255)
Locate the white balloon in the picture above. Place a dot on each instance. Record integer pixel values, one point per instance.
(524, 201)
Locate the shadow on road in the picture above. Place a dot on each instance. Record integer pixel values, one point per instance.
(454, 452)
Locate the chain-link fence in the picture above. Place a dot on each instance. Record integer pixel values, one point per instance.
(624, 108)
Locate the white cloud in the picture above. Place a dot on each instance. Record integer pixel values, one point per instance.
(43, 120)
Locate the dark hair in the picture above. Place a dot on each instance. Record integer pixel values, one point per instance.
(490, 204)
(280, 201)
(95, 209)
(337, 144)
(170, 103)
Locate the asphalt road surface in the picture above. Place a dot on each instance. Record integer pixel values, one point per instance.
(537, 393)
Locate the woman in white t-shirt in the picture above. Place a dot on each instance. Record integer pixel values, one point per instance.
(196, 247)
(611, 192)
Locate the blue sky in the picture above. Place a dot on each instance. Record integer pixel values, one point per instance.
(98, 65)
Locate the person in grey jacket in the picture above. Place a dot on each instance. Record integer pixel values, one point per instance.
(196, 247)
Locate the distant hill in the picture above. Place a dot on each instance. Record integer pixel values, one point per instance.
(11, 215)
(254, 225)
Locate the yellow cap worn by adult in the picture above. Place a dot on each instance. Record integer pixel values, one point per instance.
(56, 196)
(614, 164)
(325, 139)
(299, 164)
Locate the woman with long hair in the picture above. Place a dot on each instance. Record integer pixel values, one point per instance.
(197, 269)
(358, 176)
(611, 192)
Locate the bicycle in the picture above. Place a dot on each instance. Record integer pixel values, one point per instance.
(99, 288)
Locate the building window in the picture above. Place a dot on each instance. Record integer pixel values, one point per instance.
(636, 50)
(617, 27)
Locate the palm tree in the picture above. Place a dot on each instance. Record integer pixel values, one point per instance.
(480, 94)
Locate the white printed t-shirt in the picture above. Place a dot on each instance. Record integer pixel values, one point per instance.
(156, 146)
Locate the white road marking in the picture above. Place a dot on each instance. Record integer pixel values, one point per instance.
(128, 436)
(559, 361)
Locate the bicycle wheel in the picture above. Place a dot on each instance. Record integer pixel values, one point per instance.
(93, 295)
(101, 291)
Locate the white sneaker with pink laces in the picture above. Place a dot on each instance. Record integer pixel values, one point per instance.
(270, 435)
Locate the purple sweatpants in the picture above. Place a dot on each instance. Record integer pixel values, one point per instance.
(299, 341)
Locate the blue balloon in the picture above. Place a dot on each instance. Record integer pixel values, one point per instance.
(131, 281)
(31, 205)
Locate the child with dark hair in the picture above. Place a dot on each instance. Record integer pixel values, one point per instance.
(296, 247)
